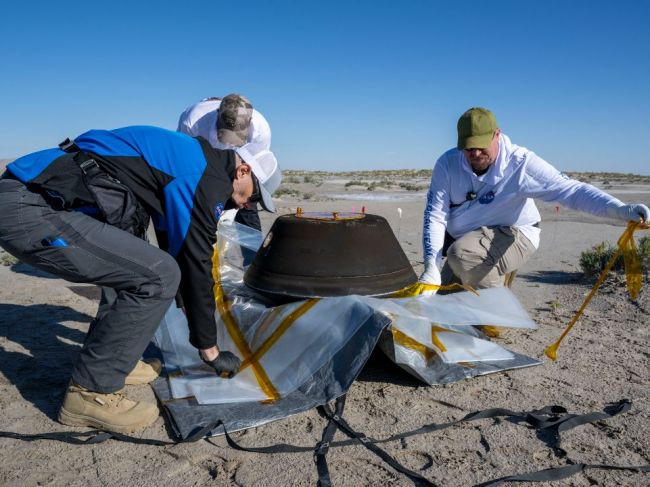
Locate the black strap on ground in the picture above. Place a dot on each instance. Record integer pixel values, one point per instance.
(85, 438)
(555, 419)
(334, 422)
(277, 448)
(97, 436)
(323, 446)
(559, 473)
(335, 417)
(552, 418)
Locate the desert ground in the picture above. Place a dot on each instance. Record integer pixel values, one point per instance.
(605, 359)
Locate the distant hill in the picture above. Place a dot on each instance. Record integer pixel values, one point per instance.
(588, 177)
(609, 177)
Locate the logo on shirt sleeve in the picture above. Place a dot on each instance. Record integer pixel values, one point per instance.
(218, 211)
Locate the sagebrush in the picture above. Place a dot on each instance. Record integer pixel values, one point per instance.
(594, 260)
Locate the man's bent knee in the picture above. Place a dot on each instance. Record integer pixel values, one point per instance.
(473, 271)
(168, 277)
(461, 261)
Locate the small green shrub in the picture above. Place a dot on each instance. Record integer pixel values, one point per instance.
(292, 180)
(307, 196)
(594, 260)
(412, 187)
(385, 184)
(555, 305)
(355, 183)
(286, 191)
(379, 184)
(310, 179)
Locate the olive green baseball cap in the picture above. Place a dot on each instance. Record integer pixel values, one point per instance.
(476, 128)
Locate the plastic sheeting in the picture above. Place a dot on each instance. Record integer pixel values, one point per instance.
(298, 355)
(295, 356)
(332, 380)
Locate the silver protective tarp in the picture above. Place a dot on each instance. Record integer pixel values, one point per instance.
(298, 355)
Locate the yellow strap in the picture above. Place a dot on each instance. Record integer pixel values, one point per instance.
(408, 342)
(435, 329)
(267, 321)
(632, 263)
(420, 287)
(223, 306)
(491, 330)
(275, 336)
(467, 365)
(624, 246)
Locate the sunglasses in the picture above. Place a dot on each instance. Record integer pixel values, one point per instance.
(471, 150)
(256, 197)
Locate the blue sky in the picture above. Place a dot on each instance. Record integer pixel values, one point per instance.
(345, 85)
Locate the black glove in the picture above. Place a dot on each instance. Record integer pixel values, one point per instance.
(226, 364)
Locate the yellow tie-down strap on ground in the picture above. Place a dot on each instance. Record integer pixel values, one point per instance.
(280, 330)
(406, 341)
(626, 247)
(250, 358)
(223, 306)
(417, 289)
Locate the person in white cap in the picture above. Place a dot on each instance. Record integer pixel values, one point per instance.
(228, 123)
(83, 209)
(265, 174)
(480, 202)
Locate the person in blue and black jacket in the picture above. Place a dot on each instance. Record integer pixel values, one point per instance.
(80, 211)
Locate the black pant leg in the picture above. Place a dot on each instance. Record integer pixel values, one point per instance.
(143, 278)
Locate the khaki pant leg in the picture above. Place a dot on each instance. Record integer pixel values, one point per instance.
(483, 257)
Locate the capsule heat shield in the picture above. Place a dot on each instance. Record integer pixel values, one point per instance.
(328, 254)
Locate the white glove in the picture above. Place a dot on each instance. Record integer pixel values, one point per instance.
(431, 275)
(228, 216)
(631, 212)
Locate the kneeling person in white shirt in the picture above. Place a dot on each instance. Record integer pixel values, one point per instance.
(481, 195)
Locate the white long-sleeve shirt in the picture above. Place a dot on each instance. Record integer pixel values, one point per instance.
(504, 195)
(200, 119)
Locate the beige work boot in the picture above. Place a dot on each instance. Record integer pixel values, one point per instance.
(110, 412)
(145, 371)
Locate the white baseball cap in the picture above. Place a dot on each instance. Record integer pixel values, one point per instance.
(265, 169)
